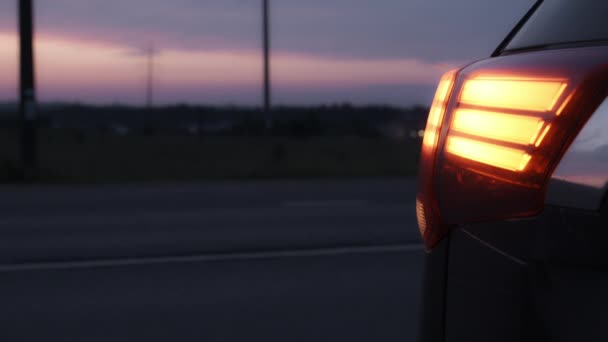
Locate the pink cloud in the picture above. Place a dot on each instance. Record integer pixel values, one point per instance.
(78, 69)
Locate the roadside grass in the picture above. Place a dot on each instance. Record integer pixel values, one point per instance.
(70, 157)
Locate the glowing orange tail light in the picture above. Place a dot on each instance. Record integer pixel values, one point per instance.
(531, 94)
(429, 147)
(495, 155)
(496, 131)
(437, 111)
(517, 129)
(500, 121)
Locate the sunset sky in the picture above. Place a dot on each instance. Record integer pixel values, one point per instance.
(324, 51)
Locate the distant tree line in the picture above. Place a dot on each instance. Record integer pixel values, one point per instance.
(289, 121)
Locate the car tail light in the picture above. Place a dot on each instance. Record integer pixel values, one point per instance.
(495, 132)
(425, 205)
(501, 121)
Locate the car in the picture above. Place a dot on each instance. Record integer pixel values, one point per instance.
(512, 200)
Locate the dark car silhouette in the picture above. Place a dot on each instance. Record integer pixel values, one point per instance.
(512, 192)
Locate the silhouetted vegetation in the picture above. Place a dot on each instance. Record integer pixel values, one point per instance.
(81, 143)
(336, 120)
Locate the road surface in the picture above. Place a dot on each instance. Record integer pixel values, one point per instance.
(234, 261)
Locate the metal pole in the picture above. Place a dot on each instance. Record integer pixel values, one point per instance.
(27, 91)
(267, 86)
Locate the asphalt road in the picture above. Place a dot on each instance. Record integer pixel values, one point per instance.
(193, 219)
(260, 261)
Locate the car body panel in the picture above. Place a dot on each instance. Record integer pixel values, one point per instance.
(541, 276)
(581, 179)
(540, 279)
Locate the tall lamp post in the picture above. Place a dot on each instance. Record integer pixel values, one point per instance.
(27, 96)
(267, 86)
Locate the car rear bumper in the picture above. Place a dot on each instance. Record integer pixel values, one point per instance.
(539, 279)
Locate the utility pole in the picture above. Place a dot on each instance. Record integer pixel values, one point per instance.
(151, 52)
(267, 87)
(27, 96)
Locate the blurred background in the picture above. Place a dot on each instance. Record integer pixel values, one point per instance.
(263, 180)
(153, 91)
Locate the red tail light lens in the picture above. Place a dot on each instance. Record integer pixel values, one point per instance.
(495, 135)
(438, 110)
(425, 206)
(500, 122)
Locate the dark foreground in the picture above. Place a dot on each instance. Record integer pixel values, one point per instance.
(278, 261)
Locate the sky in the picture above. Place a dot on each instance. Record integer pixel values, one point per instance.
(209, 51)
